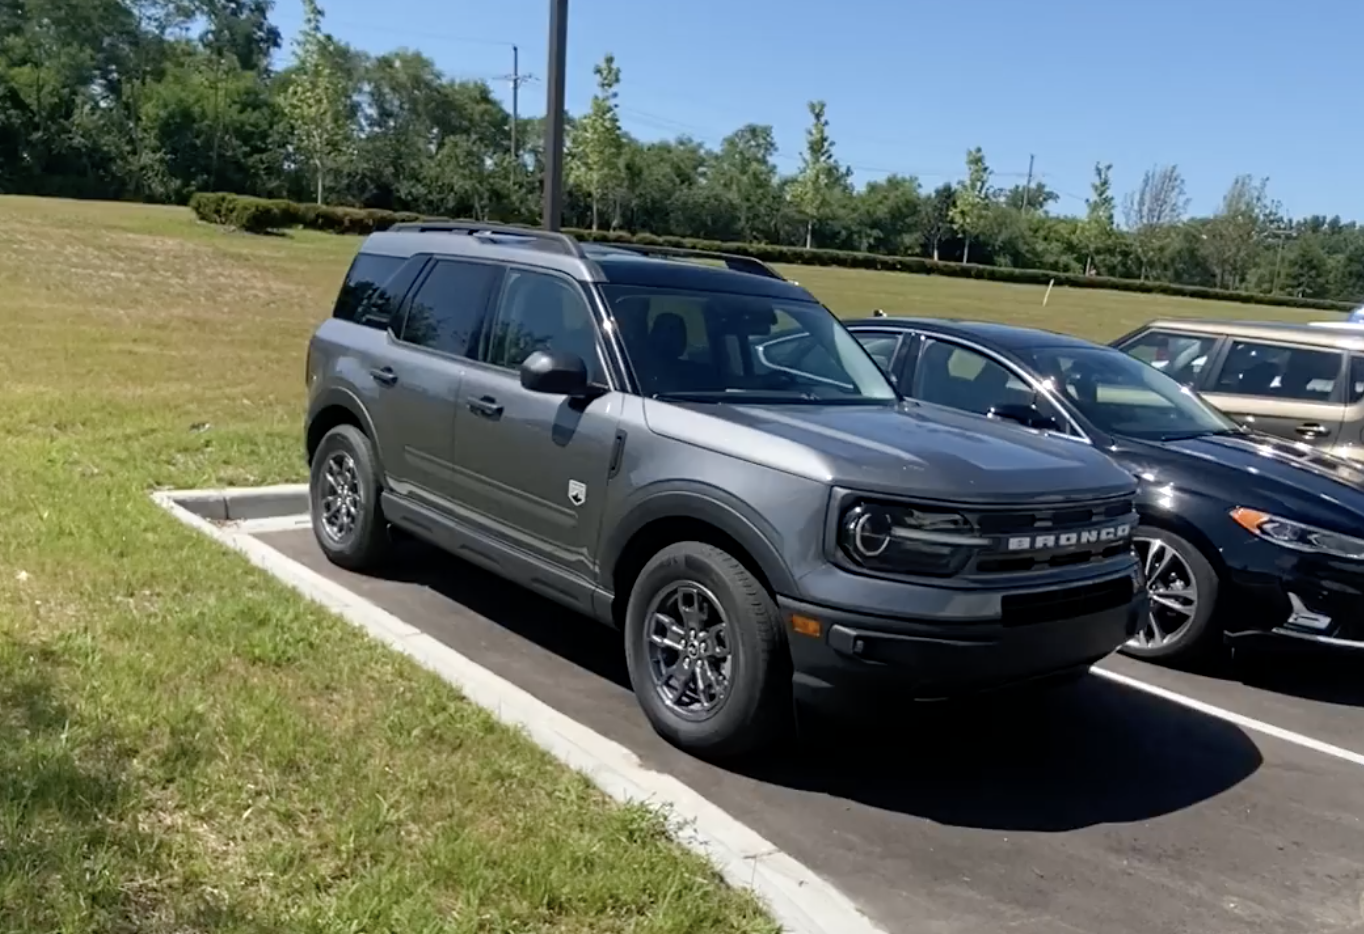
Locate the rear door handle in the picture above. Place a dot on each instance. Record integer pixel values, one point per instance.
(486, 406)
(1311, 429)
(384, 375)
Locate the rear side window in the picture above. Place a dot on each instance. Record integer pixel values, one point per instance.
(363, 298)
(1275, 371)
(447, 311)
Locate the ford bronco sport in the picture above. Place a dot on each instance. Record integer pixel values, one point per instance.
(592, 422)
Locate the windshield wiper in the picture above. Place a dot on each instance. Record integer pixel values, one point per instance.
(744, 396)
(1204, 433)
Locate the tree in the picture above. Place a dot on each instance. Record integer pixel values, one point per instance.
(743, 173)
(596, 150)
(1098, 227)
(1230, 240)
(891, 216)
(820, 181)
(317, 99)
(971, 208)
(938, 217)
(1157, 205)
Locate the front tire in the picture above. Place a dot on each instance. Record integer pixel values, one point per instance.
(706, 654)
(1182, 585)
(348, 521)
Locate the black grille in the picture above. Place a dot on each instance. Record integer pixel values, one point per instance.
(1016, 522)
(1002, 524)
(1027, 609)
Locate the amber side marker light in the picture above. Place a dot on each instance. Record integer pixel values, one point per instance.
(806, 626)
(1249, 519)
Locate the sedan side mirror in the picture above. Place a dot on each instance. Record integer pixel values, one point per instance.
(555, 373)
(1028, 415)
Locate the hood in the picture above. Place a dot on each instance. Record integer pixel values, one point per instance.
(908, 449)
(1264, 471)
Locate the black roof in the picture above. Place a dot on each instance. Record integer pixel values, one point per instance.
(623, 268)
(1006, 336)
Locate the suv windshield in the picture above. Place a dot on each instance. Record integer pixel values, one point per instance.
(719, 346)
(1123, 396)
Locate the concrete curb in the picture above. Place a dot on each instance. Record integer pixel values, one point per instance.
(232, 504)
(801, 901)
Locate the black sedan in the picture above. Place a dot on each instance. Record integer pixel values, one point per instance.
(1243, 535)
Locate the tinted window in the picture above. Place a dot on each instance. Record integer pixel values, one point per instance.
(447, 310)
(712, 346)
(539, 311)
(963, 379)
(362, 298)
(1277, 372)
(881, 347)
(1123, 396)
(1356, 379)
(1179, 356)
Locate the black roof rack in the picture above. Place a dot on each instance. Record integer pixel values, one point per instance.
(552, 239)
(735, 262)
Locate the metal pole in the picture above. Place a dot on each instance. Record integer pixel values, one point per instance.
(516, 93)
(554, 115)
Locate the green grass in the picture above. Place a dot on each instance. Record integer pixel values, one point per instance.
(1094, 314)
(185, 744)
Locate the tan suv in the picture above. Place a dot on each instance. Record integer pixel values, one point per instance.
(1303, 382)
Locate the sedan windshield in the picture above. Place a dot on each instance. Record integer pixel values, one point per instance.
(1123, 396)
(719, 347)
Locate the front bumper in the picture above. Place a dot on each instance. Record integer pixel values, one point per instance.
(1273, 595)
(857, 658)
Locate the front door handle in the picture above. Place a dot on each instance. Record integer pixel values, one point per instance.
(486, 406)
(1312, 430)
(384, 375)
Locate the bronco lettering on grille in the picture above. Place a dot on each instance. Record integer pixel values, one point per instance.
(1112, 533)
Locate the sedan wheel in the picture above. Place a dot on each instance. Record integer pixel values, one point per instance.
(1182, 588)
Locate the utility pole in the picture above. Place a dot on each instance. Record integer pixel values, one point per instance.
(554, 114)
(1027, 187)
(516, 79)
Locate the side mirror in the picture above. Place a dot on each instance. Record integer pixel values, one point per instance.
(1026, 414)
(555, 373)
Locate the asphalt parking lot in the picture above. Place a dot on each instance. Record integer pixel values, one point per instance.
(1098, 808)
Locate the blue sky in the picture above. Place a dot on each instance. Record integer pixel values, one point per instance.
(1219, 87)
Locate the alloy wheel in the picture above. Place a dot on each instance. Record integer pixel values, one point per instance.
(1173, 592)
(689, 650)
(340, 496)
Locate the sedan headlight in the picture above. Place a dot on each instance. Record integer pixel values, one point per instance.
(1297, 535)
(908, 540)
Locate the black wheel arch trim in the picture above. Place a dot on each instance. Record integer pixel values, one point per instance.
(709, 504)
(339, 397)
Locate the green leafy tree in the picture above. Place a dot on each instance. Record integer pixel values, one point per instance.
(1232, 237)
(1099, 226)
(1151, 213)
(937, 217)
(971, 206)
(317, 100)
(596, 147)
(821, 180)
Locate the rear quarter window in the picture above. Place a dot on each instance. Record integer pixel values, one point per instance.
(363, 297)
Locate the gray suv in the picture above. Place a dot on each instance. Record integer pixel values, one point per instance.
(594, 423)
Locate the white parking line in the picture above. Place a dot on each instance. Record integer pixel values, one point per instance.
(1221, 713)
(801, 901)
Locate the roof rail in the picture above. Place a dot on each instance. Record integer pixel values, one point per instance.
(553, 239)
(735, 262)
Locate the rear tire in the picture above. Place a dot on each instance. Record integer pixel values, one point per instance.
(1177, 574)
(706, 653)
(348, 520)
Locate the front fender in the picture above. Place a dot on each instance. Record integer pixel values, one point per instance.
(709, 504)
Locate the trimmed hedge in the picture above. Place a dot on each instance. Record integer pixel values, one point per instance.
(260, 215)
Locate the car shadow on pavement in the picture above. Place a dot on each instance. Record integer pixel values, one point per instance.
(1091, 753)
(1325, 675)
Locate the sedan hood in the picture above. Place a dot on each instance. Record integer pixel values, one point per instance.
(1264, 471)
(908, 449)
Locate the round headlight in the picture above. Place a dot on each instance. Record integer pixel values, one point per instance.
(869, 531)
